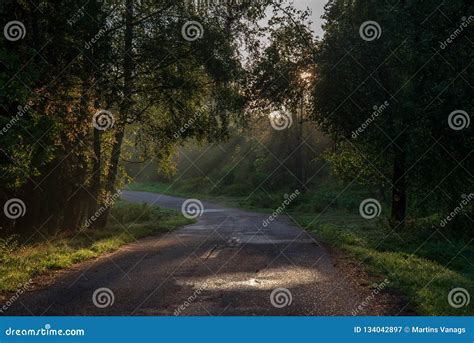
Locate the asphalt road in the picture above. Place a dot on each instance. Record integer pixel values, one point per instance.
(227, 263)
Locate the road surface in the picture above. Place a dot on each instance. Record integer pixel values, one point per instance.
(227, 263)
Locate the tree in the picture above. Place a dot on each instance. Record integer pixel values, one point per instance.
(387, 55)
(134, 61)
(281, 83)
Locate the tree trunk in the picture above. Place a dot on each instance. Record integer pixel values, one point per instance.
(399, 195)
(126, 103)
(89, 204)
(124, 108)
(300, 155)
(95, 185)
(114, 161)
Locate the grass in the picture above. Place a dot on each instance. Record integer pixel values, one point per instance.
(128, 222)
(421, 263)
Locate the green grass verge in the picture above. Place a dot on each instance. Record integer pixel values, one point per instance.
(421, 263)
(127, 223)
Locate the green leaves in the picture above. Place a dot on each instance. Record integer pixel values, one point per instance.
(422, 83)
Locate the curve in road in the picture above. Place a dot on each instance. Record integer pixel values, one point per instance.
(227, 263)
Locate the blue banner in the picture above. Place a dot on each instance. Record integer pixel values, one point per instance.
(237, 329)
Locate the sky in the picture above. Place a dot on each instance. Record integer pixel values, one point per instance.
(317, 7)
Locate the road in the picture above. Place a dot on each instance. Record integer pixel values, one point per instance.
(227, 263)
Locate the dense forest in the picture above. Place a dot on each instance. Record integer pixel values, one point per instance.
(81, 81)
(380, 103)
(122, 80)
(241, 100)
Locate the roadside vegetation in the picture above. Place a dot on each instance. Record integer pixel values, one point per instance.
(421, 264)
(242, 104)
(36, 255)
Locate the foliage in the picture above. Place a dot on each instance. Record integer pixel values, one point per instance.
(127, 223)
(410, 143)
(400, 256)
(437, 258)
(123, 56)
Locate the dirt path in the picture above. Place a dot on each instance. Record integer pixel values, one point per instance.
(227, 263)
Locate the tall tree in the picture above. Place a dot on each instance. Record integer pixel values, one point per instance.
(280, 89)
(378, 80)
